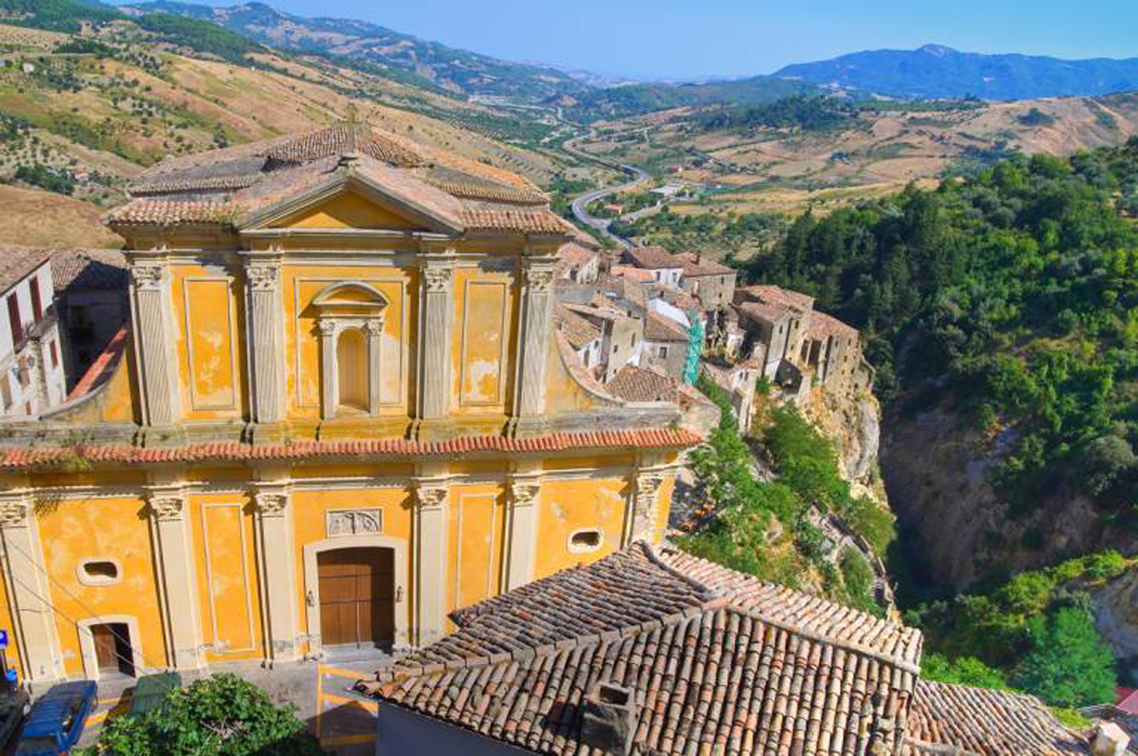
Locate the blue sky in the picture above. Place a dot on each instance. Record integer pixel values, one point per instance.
(689, 38)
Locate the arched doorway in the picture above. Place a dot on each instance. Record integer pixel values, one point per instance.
(352, 369)
(357, 597)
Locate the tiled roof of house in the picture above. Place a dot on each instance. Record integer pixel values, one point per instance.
(223, 186)
(653, 258)
(39, 455)
(88, 269)
(696, 265)
(985, 722)
(639, 275)
(823, 325)
(709, 674)
(659, 328)
(579, 332)
(636, 384)
(573, 256)
(777, 295)
(17, 262)
(766, 312)
(679, 298)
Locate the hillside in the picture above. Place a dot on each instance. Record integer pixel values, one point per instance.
(637, 99)
(782, 157)
(45, 219)
(401, 56)
(80, 114)
(937, 71)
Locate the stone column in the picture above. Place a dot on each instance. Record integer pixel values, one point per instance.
(276, 569)
(373, 328)
(266, 338)
(431, 509)
(152, 308)
(329, 375)
(177, 581)
(29, 591)
(524, 493)
(436, 313)
(537, 305)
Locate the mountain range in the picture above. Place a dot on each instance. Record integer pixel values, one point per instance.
(458, 71)
(938, 71)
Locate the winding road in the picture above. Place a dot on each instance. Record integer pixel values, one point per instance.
(580, 204)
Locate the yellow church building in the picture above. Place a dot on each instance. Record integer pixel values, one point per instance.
(340, 411)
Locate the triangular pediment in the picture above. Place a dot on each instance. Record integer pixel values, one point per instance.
(352, 202)
(348, 209)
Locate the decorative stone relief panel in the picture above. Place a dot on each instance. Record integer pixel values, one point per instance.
(345, 522)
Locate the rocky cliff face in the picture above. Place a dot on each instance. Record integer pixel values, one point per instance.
(853, 423)
(957, 529)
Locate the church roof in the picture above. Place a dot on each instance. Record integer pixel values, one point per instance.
(637, 384)
(229, 187)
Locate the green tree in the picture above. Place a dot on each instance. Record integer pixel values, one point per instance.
(220, 715)
(1069, 664)
(964, 670)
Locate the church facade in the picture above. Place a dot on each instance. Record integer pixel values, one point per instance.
(339, 411)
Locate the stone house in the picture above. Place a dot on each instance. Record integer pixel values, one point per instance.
(622, 336)
(33, 377)
(712, 283)
(665, 346)
(740, 381)
(653, 651)
(666, 269)
(340, 344)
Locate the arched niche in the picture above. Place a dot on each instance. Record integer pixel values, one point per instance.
(350, 320)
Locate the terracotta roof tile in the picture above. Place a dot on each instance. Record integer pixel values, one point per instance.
(17, 262)
(653, 258)
(340, 138)
(16, 457)
(823, 325)
(778, 296)
(635, 384)
(579, 332)
(696, 265)
(659, 328)
(985, 722)
(88, 269)
(709, 676)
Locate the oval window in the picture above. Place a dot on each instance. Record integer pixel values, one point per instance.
(585, 540)
(99, 572)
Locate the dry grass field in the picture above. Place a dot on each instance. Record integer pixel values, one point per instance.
(37, 218)
(769, 170)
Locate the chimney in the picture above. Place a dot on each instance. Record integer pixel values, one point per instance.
(608, 720)
(1108, 739)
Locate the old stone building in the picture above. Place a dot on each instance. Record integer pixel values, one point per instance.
(340, 410)
(33, 378)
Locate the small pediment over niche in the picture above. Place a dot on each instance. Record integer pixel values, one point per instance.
(350, 295)
(346, 210)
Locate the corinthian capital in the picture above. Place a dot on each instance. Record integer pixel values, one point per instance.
(539, 280)
(263, 277)
(167, 507)
(13, 511)
(437, 279)
(524, 493)
(270, 504)
(147, 277)
(430, 494)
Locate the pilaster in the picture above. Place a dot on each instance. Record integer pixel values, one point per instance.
(173, 553)
(152, 308)
(644, 510)
(373, 329)
(329, 380)
(276, 569)
(431, 502)
(524, 496)
(266, 336)
(436, 314)
(537, 305)
(29, 591)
